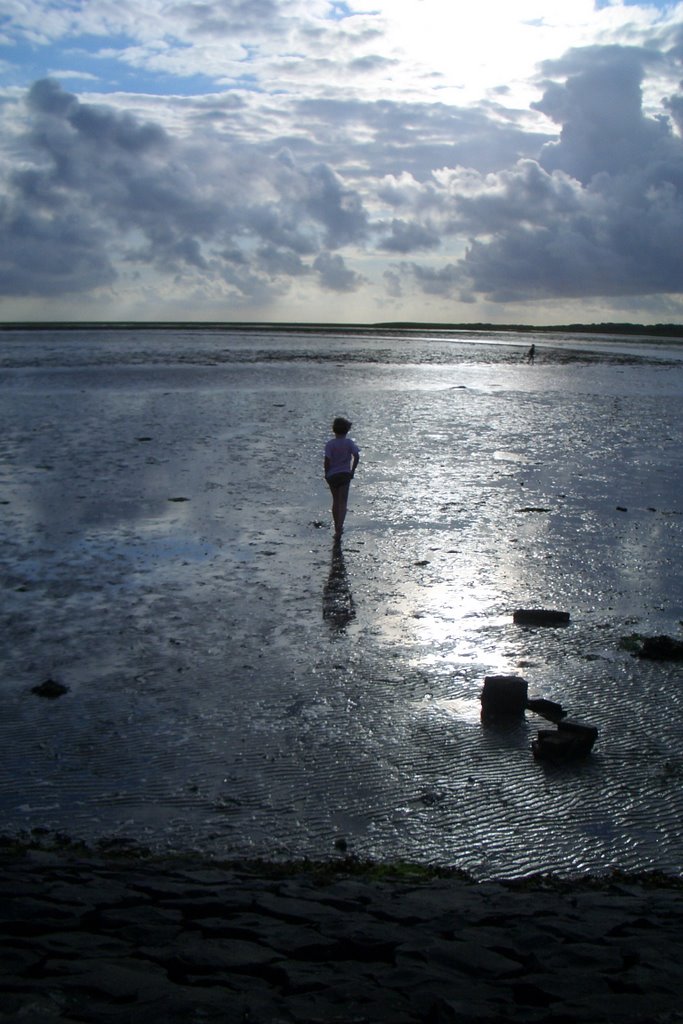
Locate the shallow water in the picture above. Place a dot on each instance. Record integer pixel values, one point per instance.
(236, 687)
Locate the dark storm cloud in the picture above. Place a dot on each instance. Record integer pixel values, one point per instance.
(283, 228)
(249, 197)
(50, 256)
(437, 282)
(338, 209)
(333, 273)
(91, 168)
(523, 196)
(278, 262)
(100, 188)
(110, 164)
(224, 17)
(600, 213)
(599, 106)
(406, 237)
(372, 62)
(387, 137)
(674, 105)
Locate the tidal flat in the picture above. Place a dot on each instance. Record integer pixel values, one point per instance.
(235, 685)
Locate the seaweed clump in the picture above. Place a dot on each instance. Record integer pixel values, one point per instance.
(653, 648)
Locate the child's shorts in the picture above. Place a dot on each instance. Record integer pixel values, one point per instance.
(338, 480)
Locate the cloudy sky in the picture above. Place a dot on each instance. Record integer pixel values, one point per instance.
(433, 160)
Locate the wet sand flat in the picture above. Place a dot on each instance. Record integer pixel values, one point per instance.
(237, 687)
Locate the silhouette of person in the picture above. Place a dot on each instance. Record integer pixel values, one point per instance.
(531, 354)
(338, 606)
(341, 458)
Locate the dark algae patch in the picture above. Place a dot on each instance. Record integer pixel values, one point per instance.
(653, 648)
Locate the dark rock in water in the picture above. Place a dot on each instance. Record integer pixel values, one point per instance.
(546, 708)
(571, 740)
(661, 648)
(504, 695)
(50, 689)
(552, 746)
(578, 729)
(540, 617)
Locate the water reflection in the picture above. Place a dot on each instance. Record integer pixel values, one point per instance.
(338, 605)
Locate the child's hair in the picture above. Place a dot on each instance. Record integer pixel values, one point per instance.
(341, 425)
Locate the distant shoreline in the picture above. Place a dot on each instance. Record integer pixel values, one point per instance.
(669, 331)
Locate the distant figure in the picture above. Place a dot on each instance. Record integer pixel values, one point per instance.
(341, 458)
(531, 354)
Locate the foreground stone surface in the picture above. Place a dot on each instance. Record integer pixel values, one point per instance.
(89, 939)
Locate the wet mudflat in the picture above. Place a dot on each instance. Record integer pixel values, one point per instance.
(237, 686)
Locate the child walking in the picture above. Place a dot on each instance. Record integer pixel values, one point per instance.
(342, 455)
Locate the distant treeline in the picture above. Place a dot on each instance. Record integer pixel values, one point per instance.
(653, 330)
(648, 330)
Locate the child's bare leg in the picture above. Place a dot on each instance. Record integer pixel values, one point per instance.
(336, 513)
(341, 501)
(334, 510)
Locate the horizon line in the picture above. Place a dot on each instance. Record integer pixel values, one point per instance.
(620, 327)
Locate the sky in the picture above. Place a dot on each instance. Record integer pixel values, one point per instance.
(498, 161)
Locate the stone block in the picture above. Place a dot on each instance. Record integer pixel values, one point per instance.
(569, 741)
(504, 695)
(546, 708)
(540, 617)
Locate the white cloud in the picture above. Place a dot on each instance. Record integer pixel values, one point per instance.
(64, 73)
(401, 48)
(522, 155)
